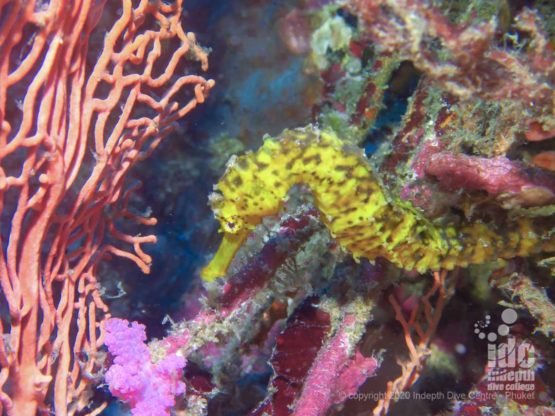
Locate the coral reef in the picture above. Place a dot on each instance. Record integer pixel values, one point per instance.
(381, 174)
(386, 257)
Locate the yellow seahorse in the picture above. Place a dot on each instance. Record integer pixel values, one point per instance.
(357, 212)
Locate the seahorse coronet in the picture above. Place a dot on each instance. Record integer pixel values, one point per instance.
(353, 205)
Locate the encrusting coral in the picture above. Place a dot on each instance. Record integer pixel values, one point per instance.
(359, 214)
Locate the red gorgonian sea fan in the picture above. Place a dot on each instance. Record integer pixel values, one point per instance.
(71, 127)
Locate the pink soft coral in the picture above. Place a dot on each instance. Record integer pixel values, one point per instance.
(149, 388)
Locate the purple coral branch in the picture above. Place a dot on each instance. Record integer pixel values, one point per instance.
(335, 375)
(243, 285)
(315, 367)
(499, 177)
(296, 349)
